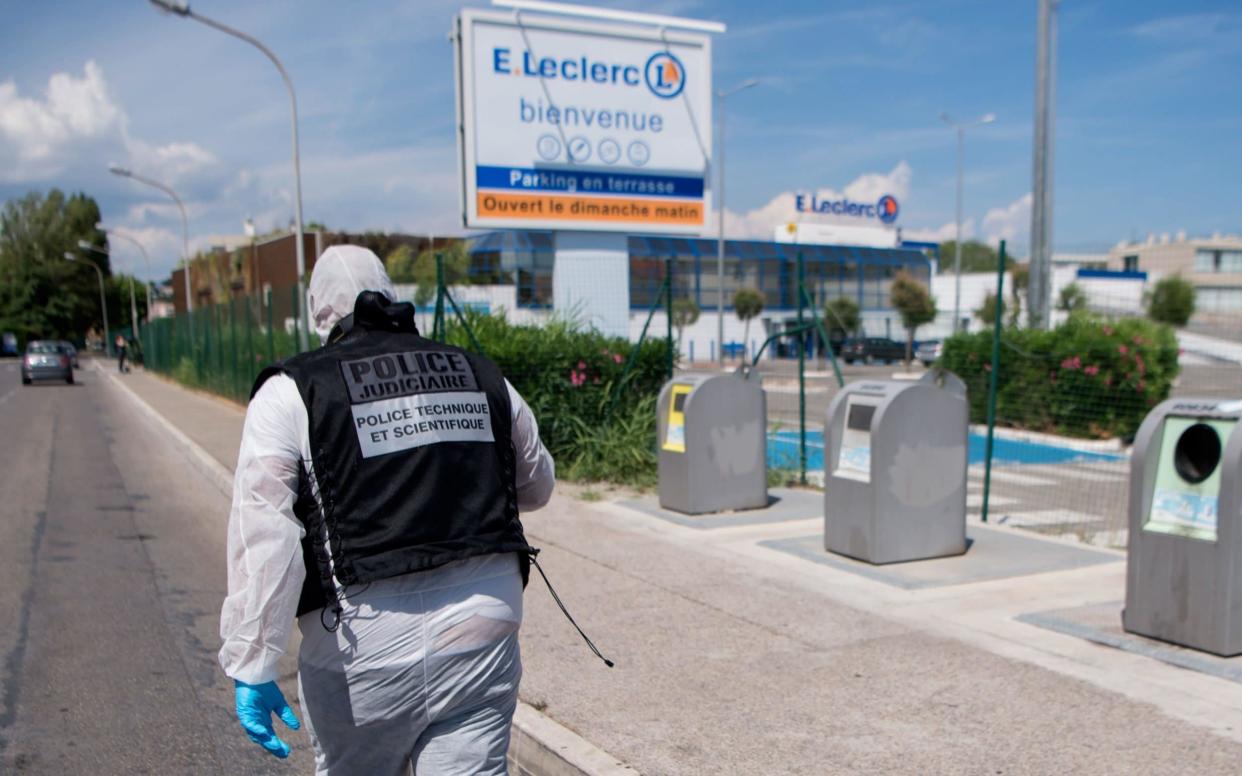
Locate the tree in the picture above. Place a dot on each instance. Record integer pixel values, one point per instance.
(915, 306)
(976, 257)
(1072, 299)
(400, 264)
(1020, 275)
(1172, 301)
(685, 313)
(987, 312)
(456, 270)
(747, 303)
(41, 294)
(841, 317)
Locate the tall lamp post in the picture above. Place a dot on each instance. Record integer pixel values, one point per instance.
(146, 260)
(184, 10)
(960, 130)
(103, 302)
(721, 95)
(133, 304)
(185, 231)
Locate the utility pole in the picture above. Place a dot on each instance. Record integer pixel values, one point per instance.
(1040, 288)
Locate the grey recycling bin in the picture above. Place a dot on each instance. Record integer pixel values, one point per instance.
(895, 469)
(1184, 569)
(712, 437)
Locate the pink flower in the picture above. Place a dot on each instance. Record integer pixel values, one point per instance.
(1142, 368)
(987, 367)
(577, 378)
(616, 357)
(1122, 349)
(1141, 386)
(582, 365)
(1108, 331)
(1071, 363)
(1091, 371)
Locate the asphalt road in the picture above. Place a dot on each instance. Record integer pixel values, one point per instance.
(111, 577)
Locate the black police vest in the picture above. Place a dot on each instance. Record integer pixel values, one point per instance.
(412, 457)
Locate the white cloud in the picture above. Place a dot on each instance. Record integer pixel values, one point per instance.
(76, 119)
(781, 209)
(1011, 223)
(941, 233)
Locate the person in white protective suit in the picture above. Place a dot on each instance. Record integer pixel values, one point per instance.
(409, 656)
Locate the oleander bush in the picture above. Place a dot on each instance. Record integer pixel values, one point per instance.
(569, 375)
(1085, 378)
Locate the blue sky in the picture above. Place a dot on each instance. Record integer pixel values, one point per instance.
(1148, 136)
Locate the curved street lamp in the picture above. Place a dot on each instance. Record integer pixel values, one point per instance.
(183, 10)
(960, 129)
(133, 304)
(103, 303)
(185, 230)
(146, 259)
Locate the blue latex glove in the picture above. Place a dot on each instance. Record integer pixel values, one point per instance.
(255, 705)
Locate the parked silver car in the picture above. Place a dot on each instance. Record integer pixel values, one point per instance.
(929, 351)
(46, 360)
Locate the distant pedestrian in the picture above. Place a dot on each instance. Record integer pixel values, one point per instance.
(121, 350)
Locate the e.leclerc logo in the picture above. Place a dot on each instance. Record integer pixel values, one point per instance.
(885, 209)
(664, 74)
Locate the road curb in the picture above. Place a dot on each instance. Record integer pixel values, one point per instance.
(539, 745)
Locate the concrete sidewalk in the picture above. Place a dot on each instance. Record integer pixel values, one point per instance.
(741, 648)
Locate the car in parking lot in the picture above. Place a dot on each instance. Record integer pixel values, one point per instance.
(46, 360)
(928, 352)
(869, 350)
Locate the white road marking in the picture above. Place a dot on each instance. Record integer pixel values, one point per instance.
(1047, 517)
(975, 500)
(1013, 478)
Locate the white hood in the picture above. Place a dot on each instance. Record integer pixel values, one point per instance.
(340, 274)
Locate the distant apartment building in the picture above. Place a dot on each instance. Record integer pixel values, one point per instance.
(1213, 265)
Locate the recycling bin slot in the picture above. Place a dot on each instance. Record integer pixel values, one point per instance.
(1197, 452)
(712, 443)
(1183, 581)
(895, 469)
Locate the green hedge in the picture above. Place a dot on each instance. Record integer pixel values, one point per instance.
(567, 376)
(1086, 378)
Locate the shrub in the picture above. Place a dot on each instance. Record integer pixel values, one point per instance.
(1086, 378)
(1072, 299)
(1172, 301)
(568, 375)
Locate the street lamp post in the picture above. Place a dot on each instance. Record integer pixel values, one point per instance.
(960, 130)
(720, 193)
(185, 231)
(103, 302)
(184, 10)
(146, 259)
(133, 304)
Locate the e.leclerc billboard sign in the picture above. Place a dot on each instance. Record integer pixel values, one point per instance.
(569, 124)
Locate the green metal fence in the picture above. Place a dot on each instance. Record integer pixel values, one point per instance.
(222, 347)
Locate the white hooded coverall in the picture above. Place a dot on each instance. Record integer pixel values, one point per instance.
(424, 668)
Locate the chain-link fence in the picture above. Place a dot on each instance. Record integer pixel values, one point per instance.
(1066, 403)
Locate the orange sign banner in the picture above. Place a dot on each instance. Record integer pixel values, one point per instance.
(573, 207)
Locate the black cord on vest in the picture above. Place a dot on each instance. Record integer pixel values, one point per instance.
(565, 611)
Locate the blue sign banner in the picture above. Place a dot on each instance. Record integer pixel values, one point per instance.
(587, 182)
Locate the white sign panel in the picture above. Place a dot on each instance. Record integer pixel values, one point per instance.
(389, 425)
(582, 125)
